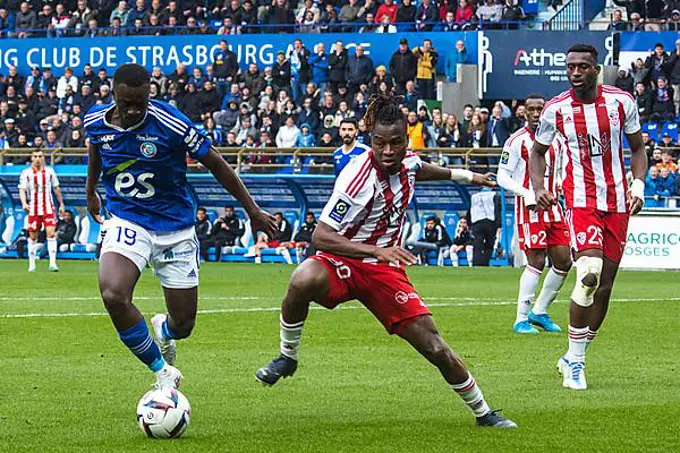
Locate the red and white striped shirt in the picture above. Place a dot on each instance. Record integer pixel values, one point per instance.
(38, 186)
(369, 205)
(515, 159)
(594, 171)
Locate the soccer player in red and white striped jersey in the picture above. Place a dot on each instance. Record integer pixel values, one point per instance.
(591, 120)
(358, 236)
(35, 191)
(539, 231)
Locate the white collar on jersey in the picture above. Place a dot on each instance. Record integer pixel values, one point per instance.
(118, 128)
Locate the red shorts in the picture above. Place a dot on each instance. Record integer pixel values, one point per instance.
(385, 290)
(541, 235)
(594, 229)
(274, 244)
(36, 222)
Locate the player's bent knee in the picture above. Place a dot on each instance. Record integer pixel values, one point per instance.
(588, 272)
(115, 299)
(309, 278)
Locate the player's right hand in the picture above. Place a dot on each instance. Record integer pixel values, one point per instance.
(26, 207)
(395, 255)
(94, 206)
(262, 221)
(544, 199)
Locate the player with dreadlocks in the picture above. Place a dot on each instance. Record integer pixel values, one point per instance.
(358, 237)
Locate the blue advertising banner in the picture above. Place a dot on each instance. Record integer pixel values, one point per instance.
(640, 45)
(169, 51)
(514, 64)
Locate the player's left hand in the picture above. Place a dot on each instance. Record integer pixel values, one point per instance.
(262, 221)
(635, 204)
(485, 180)
(62, 209)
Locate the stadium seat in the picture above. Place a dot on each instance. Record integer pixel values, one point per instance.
(652, 129)
(451, 222)
(212, 215)
(671, 129)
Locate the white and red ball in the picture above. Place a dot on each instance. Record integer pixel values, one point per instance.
(163, 413)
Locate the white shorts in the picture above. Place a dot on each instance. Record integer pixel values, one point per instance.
(173, 256)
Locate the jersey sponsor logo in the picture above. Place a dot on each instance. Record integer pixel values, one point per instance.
(505, 157)
(107, 138)
(402, 297)
(339, 211)
(147, 138)
(170, 254)
(148, 149)
(106, 147)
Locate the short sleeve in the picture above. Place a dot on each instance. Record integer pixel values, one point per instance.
(23, 181)
(632, 120)
(54, 180)
(510, 155)
(352, 192)
(547, 126)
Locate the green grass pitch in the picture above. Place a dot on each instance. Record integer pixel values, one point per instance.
(68, 384)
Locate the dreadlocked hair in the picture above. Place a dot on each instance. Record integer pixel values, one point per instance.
(384, 109)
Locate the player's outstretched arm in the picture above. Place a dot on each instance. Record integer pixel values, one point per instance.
(94, 171)
(259, 219)
(544, 199)
(429, 172)
(638, 166)
(326, 239)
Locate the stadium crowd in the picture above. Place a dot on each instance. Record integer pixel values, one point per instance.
(226, 17)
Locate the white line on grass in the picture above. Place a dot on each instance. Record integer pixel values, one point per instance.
(470, 302)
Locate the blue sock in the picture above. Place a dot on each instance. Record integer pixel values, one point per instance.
(168, 333)
(138, 339)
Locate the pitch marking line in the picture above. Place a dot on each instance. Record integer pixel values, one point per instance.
(467, 302)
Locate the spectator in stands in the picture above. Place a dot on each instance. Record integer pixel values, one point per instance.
(624, 80)
(288, 134)
(14, 79)
(476, 136)
(209, 100)
(512, 14)
(203, 229)
(298, 57)
(669, 182)
(190, 103)
(66, 230)
(639, 71)
(319, 65)
(617, 23)
(280, 241)
(226, 67)
(673, 69)
(654, 14)
(225, 233)
(51, 141)
(452, 135)
(68, 79)
(666, 161)
(121, 12)
(303, 238)
(643, 99)
(337, 66)
(464, 13)
(490, 14)
(385, 26)
(359, 70)
(673, 23)
(427, 16)
(663, 108)
(432, 238)
(654, 189)
(518, 119)
(461, 241)
(667, 141)
(282, 15)
(656, 62)
(309, 115)
(6, 23)
(305, 138)
(403, 65)
(81, 17)
(498, 128)
(308, 7)
(417, 132)
(25, 21)
(426, 69)
(406, 16)
(369, 25)
(281, 72)
(349, 13)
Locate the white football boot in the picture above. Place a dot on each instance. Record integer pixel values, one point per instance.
(168, 348)
(573, 374)
(169, 376)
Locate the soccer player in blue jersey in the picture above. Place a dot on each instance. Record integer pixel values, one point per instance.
(139, 149)
(350, 149)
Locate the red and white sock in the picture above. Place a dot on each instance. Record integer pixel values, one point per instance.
(551, 287)
(591, 336)
(471, 395)
(527, 291)
(577, 344)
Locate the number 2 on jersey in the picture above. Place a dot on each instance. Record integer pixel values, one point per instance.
(126, 180)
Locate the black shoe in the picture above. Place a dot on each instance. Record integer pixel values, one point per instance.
(280, 367)
(493, 420)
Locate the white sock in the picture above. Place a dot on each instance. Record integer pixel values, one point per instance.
(551, 287)
(290, 338)
(468, 251)
(258, 259)
(577, 344)
(285, 254)
(471, 395)
(52, 250)
(298, 254)
(591, 337)
(454, 258)
(440, 257)
(32, 246)
(527, 291)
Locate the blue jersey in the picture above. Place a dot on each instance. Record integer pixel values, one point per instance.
(342, 158)
(144, 167)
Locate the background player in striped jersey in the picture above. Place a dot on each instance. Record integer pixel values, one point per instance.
(35, 191)
(350, 149)
(539, 231)
(139, 148)
(590, 119)
(358, 234)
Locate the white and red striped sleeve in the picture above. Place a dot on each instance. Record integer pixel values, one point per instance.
(353, 190)
(23, 180)
(630, 110)
(547, 125)
(54, 181)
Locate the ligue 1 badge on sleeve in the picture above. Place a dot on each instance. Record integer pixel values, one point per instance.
(339, 211)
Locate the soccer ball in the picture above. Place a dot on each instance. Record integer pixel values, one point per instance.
(163, 413)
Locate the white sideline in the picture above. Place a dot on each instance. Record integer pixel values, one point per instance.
(469, 302)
